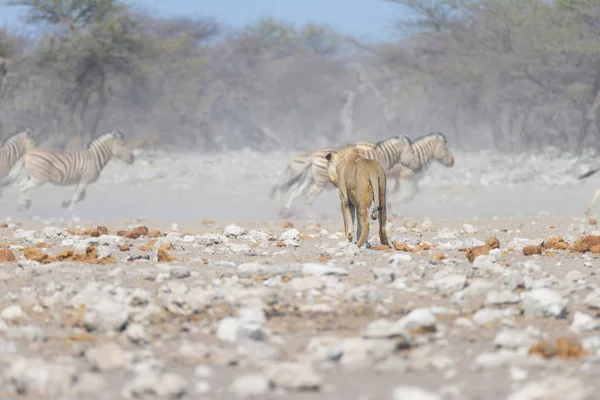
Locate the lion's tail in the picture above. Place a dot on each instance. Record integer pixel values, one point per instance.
(378, 185)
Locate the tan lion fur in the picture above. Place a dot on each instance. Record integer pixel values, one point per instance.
(360, 182)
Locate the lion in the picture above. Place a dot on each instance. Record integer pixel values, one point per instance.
(360, 182)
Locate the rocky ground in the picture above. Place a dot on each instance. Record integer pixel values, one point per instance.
(171, 284)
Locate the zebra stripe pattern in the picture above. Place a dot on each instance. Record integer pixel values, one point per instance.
(388, 153)
(11, 153)
(428, 148)
(79, 168)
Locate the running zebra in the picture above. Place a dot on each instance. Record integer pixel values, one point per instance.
(387, 152)
(428, 148)
(11, 155)
(80, 168)
(293, 171)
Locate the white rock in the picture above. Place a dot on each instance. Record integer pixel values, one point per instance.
(39, 378)
(53, 232)
(398, 258)
(448, 284)
(488, 315)
(12, 313)
(136, 334)
(239, 248)
(105, 315)
(514, 339)
(543, 302)
(446, 233)
(383, 329)
(202, 387)
(413, 393)
(234, 230)
(574, 276)
(469, 228)
(495, 297)
(88, 383)
(420, 318)
(322, 269)
(517, 374)
(290, 234)
(194, 351)
(180, 272)
(107, 357)
(251, 385)
(149, 384)
(583, 322)
(227, 330)
(203, 371)
(592, 300)
(552, 388)
(294, 376)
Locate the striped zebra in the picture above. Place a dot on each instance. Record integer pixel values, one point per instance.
(428, 148)
(11, 155)
(387, 152)
(293, 171)
(80, 168)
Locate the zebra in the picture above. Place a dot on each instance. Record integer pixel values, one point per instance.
(11, 155)
(293, 170)
(80, 168)
(387, 152)
(433, 146)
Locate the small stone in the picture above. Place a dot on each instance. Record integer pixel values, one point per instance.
(203, 371)
(194, 351)
(413, 393)
(488, 315)
(180, 272)
(136, 334)
(12, 313)
(552, 388)
(227, 330)
(290, 234)
(105, 315)
(106, 358)
(234, 230)
(448, 284)
(251, 385)
(293, 376)
(592, 300)
(418, 319)
(202, 387)
(514, 339)
(543, 302)
(446, 233)
(469, 228)
(583, 322)
(495, 297)
(517, 374)
(322, 269)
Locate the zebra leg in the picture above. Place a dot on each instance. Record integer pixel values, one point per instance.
(315, 190)
(24, 196)
(411, 189)
(77, 197)
(296, 190)
(397, 185)
(594, 200)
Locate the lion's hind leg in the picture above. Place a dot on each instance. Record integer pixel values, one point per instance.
(363, 221)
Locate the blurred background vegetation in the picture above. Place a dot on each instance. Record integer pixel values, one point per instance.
(515, 75)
